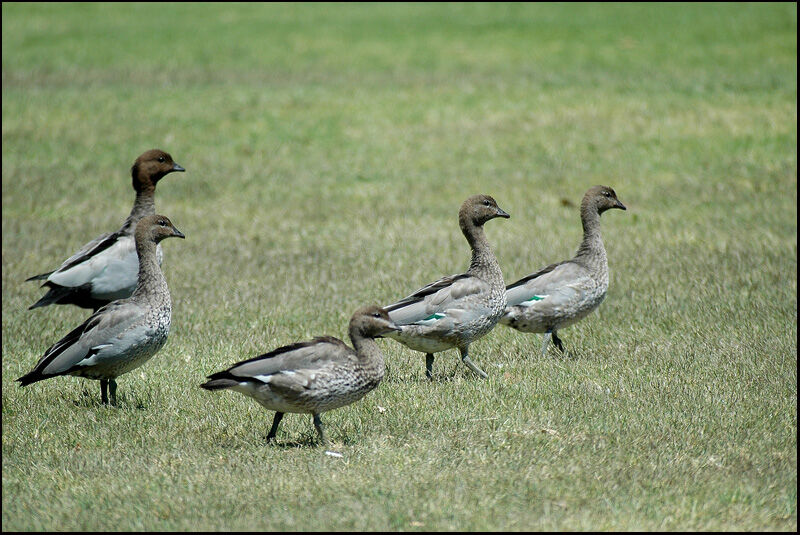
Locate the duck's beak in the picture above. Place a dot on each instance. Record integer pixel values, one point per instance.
(502, 213)
(178, 234)
(177, 167)
(388, 328)
(620, 205)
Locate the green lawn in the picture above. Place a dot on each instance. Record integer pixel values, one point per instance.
(328, 148)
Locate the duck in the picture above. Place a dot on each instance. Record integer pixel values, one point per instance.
(456, 310)
(105, 269)
(313, 376)
(124, 334)
(563, 293)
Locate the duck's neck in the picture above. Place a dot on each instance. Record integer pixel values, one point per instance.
(591, 251)
(483, 261)
(144, 205)
(151, 281)
(368, 352)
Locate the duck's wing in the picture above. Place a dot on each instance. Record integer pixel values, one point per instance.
(106, 329)
(91, 249)
(436, 300)
(100, 274)
(292, 367)
(554, 286)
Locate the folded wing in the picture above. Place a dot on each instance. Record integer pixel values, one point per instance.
(105, 331)
(436, 300)
(292, 368)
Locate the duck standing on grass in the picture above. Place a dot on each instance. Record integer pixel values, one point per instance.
(456, 310)
(106, 268)
(561, 294)
(315, 376)
(124, 334)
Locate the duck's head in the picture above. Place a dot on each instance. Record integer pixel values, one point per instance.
(372, 322)
(479, 209)
(156, 228)
(151, 167)
(601, 198)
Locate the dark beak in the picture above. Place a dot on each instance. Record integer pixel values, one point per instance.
(620, 206)
(389, 328)
(177, 167)
(177, 233)
(502, 213)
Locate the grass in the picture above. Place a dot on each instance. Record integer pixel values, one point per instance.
(327, 150)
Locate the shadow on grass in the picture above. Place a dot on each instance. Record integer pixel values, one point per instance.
(439, 376)
(227, 438)
(92, 400)
(308, 442)
(417, 379)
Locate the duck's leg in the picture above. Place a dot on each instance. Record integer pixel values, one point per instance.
(557, 342)
(320, 430)
(104, 391)
(429, 365)
(274, 429)
(546, 342)
(468, 362)
(112, 391)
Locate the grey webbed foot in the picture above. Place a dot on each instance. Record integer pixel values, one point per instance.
(471, 365)
(546, 342)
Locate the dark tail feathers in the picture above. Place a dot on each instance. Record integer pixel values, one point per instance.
(31, 377)
(39, 277)
(63, 295)
(219, 380)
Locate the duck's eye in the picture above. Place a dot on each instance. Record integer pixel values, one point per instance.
(487, 203)
(607, 193)
(161, 159)
(162, 223)
(376, 314)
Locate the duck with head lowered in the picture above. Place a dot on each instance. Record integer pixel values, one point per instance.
(315, 376)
